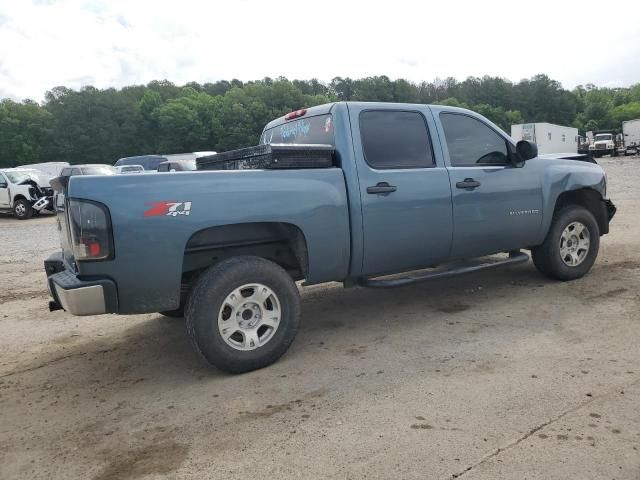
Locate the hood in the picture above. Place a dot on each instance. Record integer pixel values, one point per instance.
(42, 180)
(581, 157)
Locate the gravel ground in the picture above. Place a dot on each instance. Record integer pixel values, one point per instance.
(500, 374)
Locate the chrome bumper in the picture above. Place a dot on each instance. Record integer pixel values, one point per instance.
(83, 300)
(76, 296)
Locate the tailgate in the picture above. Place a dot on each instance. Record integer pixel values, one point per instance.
(59, 185)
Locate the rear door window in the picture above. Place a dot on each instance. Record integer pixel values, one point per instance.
(395, 139)
(311, 130)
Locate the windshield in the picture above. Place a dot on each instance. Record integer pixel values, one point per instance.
(98, 170)
(312, 130)
(17, 177)
(602, 137)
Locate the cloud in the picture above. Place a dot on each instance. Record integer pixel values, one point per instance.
(121, 42)
(409, 62)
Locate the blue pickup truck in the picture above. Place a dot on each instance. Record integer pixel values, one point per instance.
(415, 193)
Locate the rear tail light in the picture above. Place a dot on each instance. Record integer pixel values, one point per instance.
(90, 227)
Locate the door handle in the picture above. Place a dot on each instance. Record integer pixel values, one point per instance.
(381, 187)
(468, 184)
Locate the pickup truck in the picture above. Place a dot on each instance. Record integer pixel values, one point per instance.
(25, 192)
(415, 193)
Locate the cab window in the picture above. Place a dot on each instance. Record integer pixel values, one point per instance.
(472, 143)
(395, 139)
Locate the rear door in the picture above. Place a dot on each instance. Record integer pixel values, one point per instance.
(404, 188)
(496, 206)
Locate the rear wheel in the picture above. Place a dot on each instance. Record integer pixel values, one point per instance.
(22, 209)
(243, 314)
(571, 246)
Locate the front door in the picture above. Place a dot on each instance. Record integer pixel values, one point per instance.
(5, 198)
(405, 193)
(496, 206)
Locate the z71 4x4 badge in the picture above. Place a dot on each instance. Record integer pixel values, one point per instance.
(168, 209)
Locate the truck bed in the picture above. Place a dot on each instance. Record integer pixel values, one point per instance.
(313, 200)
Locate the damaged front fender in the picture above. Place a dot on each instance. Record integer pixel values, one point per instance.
(42, 197)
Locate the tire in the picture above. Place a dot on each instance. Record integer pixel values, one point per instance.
(229, 292)
(22, 209)
(548, 257)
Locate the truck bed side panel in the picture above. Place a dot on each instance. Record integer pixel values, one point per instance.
(149, 249)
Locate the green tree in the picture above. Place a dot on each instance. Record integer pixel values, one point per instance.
(25, 133)
(101, 125)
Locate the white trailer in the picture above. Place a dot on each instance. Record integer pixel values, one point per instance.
(631, 132)
(550, 138)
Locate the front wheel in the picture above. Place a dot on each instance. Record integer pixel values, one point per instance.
(22, 209)
(571, 246)
(243, 313)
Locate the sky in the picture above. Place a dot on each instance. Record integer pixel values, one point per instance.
(113, 43)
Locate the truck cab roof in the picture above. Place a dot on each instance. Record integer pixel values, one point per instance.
(328, 108)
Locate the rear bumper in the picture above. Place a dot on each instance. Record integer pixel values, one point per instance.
(77, 296)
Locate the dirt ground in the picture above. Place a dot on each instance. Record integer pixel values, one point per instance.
(502, 374)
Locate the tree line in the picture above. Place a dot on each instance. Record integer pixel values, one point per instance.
(101, 125)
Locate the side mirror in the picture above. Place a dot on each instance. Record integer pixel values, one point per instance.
(526, 150)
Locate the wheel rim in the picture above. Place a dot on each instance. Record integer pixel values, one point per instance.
(249, 316)
(20, 210)
(574, 244)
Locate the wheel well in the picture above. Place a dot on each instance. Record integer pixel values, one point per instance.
(589, 199)
(19, 197)
(282, 243)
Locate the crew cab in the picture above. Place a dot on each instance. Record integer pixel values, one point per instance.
(414, 193)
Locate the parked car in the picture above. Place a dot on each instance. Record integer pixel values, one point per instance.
(177, 166)
(88, 169)
(631, 150)
(129, 169)
(148, 162)
(408, 187)
(25, 191)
